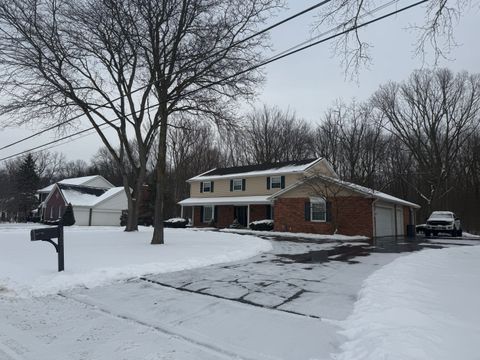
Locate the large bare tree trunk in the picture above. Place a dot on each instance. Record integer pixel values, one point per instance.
(158, 234)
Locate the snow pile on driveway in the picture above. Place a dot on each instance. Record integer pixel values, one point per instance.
(337, 237)
(420, 306)
(99, 255)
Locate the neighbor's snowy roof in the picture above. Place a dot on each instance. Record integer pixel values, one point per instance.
(257, 170)
(226, 200)
(78, 198)
(71, 181)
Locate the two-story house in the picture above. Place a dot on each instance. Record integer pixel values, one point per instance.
(300, 196)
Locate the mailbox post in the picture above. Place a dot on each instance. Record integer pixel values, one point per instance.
(47, 234)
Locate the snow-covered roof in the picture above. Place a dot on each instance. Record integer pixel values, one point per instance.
(71, 181)
(256, 170)
(79, 198)
(354, 187)
(226, 200)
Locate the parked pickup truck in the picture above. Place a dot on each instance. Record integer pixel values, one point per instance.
(443, 222)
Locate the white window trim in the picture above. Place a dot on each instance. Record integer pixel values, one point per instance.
(279, 182)
(209, 188)
(318, 200)
(213, 213)
(241, 185)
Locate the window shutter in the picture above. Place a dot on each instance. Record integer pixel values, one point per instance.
(243, 184)
(215, 213)
(307, 211)
(201, 213)
(231, 185)
(211, 186)
(268, 182)
(201, 186)
(283, 182)
(328, 215)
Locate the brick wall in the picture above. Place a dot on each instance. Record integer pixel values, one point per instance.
(258, 212)
(225, 216)
(54, 205)
(354, 216)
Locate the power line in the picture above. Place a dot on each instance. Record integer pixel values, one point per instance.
(271, 60)
(215, 53)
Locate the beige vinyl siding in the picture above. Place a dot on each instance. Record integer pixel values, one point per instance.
(255, 185)
(321, 168)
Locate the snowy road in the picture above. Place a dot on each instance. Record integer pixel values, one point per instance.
(282, 304)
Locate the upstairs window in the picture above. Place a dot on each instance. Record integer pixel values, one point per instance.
(207, 186)
(276, 182)
(237, 184)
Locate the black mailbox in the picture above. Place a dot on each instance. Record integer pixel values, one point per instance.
(47, 234)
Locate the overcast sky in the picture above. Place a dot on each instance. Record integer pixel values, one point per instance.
(310, 81)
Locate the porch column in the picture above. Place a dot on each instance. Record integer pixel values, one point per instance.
(248, 215)
(181, 211)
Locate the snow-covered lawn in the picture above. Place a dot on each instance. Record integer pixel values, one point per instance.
(421, 306)
(99, 255)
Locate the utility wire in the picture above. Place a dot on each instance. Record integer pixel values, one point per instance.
(215, 53)
(271, 60)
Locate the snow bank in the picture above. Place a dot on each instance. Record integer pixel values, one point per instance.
(421, 306)
(99, 255)
(297, 235)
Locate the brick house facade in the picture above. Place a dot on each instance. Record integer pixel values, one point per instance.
(280, 192)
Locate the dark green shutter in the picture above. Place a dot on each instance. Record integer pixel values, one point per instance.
(201, 186)
(283, 182)
(307, 211)
(328, 207)
(211, 186)
(215, 213)
(201, 213)
(243, 184)
(268, 182)
(231, 185)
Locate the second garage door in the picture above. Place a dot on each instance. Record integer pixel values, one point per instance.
(384, 221)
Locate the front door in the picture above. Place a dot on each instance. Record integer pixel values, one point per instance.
(241, 215)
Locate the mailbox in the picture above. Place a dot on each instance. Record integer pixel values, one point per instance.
(47, 234)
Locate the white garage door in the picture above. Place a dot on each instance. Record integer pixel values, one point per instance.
(384, 221)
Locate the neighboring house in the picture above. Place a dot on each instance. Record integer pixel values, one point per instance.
(95, 201)
(300, 196)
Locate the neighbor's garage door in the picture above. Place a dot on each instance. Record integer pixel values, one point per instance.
(384, 221)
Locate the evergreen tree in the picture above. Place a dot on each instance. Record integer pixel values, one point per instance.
(26, 184)
(68, 216)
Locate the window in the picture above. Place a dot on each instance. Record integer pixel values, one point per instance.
(207, 186)
(276, 182)
(237, 185)
(208, 212)
(318, 209)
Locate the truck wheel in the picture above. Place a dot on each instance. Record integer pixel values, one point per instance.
(460, 233)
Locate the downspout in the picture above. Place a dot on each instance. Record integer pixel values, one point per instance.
(374, 220)
(90, 217)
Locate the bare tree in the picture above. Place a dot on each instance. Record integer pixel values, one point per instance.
(436, 32)
(67, 58)
(434, 114)
(272, 135)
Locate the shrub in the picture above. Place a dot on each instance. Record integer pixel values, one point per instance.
(175, 223)
(262, 225)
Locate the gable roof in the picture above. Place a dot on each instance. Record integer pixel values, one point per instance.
(83, 180)
(353, 187)
(256, 170)
(79, 195)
